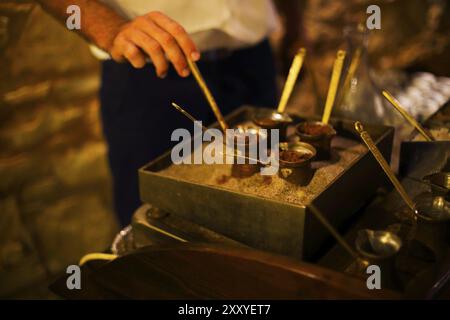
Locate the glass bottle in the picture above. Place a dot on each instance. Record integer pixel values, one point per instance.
(359, 97)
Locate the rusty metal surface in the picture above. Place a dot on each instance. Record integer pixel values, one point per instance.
(262, 223)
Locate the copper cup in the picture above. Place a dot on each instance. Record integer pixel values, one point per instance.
(247, 169)
(319, 135)
(295, 162)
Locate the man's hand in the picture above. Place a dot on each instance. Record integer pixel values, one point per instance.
(153, 36)
(156, 36)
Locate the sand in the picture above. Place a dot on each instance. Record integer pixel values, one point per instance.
(344, 153)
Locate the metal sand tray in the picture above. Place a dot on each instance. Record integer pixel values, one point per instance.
(262, 222)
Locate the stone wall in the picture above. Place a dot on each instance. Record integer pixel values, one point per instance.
(55, 190)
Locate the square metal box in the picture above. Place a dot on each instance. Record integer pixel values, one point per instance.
(262, 223)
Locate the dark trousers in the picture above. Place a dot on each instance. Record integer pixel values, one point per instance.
(138, 118)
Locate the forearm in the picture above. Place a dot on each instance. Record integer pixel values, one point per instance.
(99, 23)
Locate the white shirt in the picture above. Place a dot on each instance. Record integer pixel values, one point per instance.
(212, 24)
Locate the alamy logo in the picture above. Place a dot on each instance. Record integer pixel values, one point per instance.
(73, 22)
(238, 146)
(374, 20)
(74, 280)
(374, 280)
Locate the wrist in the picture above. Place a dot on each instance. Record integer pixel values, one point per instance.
(105, 38)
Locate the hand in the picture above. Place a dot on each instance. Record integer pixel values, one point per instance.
(156, 36)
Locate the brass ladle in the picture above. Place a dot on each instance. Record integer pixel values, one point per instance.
(322, 141)
(431, 215)
(437, 202)
(279, 119)
(384, 246)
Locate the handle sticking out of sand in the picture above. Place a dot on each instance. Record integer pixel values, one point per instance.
(291, 79)
(354, 64)
(334, 83)
(389, 97)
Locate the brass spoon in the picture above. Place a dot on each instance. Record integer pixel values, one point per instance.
(384, 165)
(389, 97)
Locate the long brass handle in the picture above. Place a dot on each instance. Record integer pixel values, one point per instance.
(294, 71)
(334, 83)
(187, 114)
(212, 102)
(354, 64)
(389, 97)
(365, 136)
(334, 232)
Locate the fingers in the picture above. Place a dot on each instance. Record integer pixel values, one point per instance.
(178, 32)
(126, 49)
(155, 36)
(135, 56)
(153, 49)
(169, 45)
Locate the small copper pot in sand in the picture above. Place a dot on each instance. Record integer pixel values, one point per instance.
(295, 162)
(250, 136)
(319, 135)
